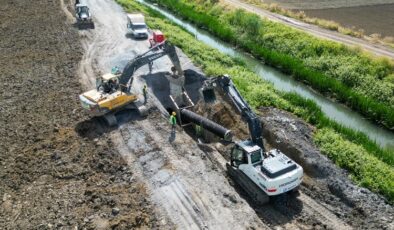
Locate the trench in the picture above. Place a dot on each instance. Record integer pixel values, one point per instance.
(286, 83)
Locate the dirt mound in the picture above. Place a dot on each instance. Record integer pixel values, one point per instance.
(224, 114)
(51, 176)
(325, 182)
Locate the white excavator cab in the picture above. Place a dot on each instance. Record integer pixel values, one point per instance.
(273, 172)
(246, 153)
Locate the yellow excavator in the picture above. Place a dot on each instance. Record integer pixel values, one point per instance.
(112, 92)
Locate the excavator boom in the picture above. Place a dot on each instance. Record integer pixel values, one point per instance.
(254, 123)
(259, 172)
(113, 94)
(156, 52)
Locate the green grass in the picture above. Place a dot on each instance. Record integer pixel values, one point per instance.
(261, 93)
(348, 75)
(374, 174)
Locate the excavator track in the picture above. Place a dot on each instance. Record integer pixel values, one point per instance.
(253, 191)
(110, 119)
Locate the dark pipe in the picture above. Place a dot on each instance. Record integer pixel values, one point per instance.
(207, 124)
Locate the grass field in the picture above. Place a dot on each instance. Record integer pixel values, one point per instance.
(369, 166)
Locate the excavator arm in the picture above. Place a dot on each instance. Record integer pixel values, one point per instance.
(254, 123)
(156, 52)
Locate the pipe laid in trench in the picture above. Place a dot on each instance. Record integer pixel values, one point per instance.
(207, 124)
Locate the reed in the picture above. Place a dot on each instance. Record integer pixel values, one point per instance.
(332, 69)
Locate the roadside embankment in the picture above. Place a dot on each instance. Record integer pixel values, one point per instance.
(260, 93)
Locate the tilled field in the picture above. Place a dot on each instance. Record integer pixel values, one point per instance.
(372, 19)
(53, 175)
(324, 4)
(370, 16)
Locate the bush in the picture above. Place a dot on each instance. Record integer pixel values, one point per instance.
(331, 68)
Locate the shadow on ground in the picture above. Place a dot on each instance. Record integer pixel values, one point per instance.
(97, 126)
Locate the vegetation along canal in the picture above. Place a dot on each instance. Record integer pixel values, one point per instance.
(333, 110)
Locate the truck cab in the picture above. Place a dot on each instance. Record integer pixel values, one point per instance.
(272, 171)
(136, 26)
(82, 12)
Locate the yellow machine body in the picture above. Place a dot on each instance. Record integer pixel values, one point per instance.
(100, 103)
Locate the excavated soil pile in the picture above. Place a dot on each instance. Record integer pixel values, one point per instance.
(224, 114)
(54, 175)
(325, 182)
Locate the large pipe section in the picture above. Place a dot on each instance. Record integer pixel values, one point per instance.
(207, 124)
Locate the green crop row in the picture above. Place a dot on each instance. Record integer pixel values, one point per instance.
(363, 83)
(261, 93)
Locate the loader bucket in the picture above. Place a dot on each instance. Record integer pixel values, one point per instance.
(209, 95)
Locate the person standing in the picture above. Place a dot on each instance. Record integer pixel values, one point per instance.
(173, 121)
(145, 92)
(198, 131)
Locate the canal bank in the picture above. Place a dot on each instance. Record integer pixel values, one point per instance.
(350, 145)
(333, 110)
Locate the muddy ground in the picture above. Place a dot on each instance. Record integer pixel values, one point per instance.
(372, 19)
(52, 175)
(61, 169)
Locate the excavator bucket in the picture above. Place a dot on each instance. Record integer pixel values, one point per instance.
(209, 94)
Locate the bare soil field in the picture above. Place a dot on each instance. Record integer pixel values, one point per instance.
(372, 19)
(324, 4)
(370, 16)
(52, 176)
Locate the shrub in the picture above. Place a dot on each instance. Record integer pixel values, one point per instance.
(331, 68)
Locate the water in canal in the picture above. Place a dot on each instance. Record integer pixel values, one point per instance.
(283, 82)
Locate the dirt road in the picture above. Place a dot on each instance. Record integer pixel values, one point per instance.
(185, 180)
(315, 30)
(170, 170)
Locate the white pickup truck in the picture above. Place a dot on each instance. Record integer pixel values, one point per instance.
(136, 26)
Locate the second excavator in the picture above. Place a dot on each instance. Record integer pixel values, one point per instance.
(113, 90)
(262, 174)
